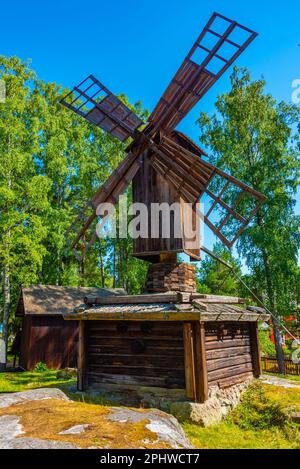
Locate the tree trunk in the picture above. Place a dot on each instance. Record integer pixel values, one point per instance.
(114, 266)
(277, 337)
(278, 347)
(6, 309)
(272, 302)
(81, 273)
(101, 266)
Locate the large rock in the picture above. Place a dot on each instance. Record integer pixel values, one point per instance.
(10, 428)
(154, 429)
(219, 403)
(9, 399)
(164, 425)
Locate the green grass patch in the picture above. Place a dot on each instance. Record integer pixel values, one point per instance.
(22, 381)
(258, 422)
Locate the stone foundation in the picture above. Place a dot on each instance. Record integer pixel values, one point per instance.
(167, 276)
(219, 403)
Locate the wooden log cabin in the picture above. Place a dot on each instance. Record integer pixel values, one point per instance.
(45, 336)
(169, 340)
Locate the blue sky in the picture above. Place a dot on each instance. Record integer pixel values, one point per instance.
(136, 47)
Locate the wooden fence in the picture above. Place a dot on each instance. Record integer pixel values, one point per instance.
(270, 364)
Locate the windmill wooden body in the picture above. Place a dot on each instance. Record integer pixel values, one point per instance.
(164, 165)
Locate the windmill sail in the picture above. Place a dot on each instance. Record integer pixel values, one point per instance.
(214, 51)
(193, 177)
(81, 234)
(93, 101)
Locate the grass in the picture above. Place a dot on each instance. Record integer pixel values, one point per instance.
(22, 381)
(258, 422)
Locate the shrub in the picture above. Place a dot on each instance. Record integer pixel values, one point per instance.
(41, 367)
(257, 411)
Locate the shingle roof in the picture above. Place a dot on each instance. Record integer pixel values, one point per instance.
(57, 300)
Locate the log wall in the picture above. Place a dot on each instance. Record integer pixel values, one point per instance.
(229, 353)
(149, 354)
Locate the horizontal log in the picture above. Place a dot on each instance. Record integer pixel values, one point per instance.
(135, 316)
(230, 371)
(174, 352)
(113, 340)
(218, 344)
(141, 359)
(227, 353)
(132, 299)
(224, 363)
(136, 380)
(232, 380)
(218, 299)
(137, 370)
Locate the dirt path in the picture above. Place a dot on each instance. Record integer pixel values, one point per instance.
(277, 381)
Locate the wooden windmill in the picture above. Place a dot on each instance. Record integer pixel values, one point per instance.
(163, 164)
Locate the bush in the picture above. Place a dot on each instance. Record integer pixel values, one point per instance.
(266, 345)
(41, 367)
(257, 411)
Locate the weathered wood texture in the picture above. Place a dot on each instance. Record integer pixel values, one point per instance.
(149, 186)
(229, 353)
(135, 353)
(189, 361)
(82, 357)
(50, 340)
(196, 383)
(254, 339)
(201, 362)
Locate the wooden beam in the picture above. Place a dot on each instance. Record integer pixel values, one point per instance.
(254, 341)
(189, 362)
(182, 313)
(219, 299)
(132, 299)
(81, 382)
(200, 362)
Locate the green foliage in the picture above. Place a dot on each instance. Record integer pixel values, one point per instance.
(258, 422)
(215, 278)
(265, 343)
(257, 411)
(257, 140)
(40, 367)
(51, 163)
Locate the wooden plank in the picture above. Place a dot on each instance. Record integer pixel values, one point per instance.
(225, 353)
(132, 299)
(224, 363)
(200, 363)
(136, 316)
(226, 344)
(232, 380)
(230, 371)
(218, 299)
(82, 356)
(189, 362)
(254, 340)
(155, 381)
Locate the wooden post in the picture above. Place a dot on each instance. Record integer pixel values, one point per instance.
(200, 362)
(81, 383)
(189, 362)
(254, 341)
